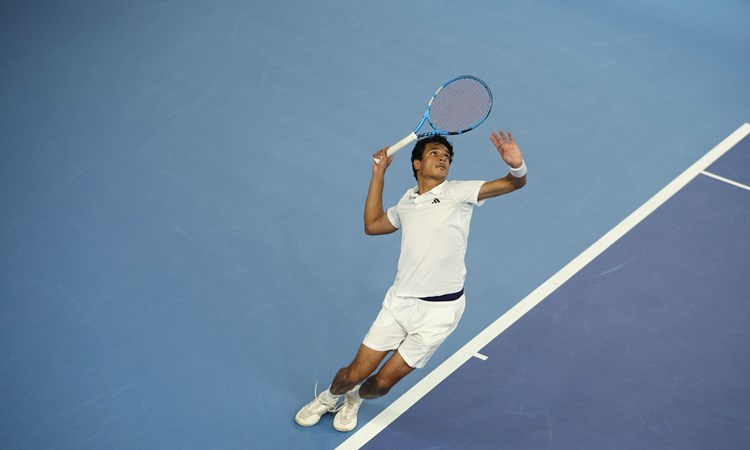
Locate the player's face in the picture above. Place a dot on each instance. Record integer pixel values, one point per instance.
(435, 163)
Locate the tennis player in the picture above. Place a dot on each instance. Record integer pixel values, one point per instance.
(427, 298)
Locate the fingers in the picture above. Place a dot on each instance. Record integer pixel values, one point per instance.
(379, 155)
(502, 138)
(507, 147)
(503, 142)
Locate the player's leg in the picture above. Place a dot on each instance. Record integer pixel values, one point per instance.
(384, 336)
(391, 373)
(363, 365)
(375, 386)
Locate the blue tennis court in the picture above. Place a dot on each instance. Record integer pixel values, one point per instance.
(182, 254)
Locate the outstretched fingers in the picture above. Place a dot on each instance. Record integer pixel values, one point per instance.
(500, 139)
(507, 147)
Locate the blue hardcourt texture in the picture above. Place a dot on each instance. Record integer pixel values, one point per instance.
(182, 182)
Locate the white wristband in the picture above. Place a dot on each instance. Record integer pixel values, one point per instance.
(520, 171)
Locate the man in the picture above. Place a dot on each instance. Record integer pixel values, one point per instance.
(426, 300)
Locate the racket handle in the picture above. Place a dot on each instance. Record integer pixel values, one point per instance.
(398, 146)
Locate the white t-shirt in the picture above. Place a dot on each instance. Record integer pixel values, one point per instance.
(434, 233)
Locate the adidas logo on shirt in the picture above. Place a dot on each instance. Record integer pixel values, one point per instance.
(435, 201)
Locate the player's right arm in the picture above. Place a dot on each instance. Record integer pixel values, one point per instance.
(376, 219)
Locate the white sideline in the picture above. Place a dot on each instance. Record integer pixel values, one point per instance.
(473, 347)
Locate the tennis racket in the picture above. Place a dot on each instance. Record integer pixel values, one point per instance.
(458, 106)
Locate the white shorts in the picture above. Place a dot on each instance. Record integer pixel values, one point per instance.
(415, 327)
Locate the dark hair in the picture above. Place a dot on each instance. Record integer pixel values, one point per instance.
(418, 151)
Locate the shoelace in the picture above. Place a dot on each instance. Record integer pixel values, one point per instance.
(336, 408)
(348, 408)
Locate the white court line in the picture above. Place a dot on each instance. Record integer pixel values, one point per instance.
(471, 349)
(480, 356)
(726, 180)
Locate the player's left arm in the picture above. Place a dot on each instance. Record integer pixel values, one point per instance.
(508, 148)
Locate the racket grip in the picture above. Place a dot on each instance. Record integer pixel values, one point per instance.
(398, 145)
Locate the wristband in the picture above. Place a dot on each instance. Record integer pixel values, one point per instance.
(519, 171)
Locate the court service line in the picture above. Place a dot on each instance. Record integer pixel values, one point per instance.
(725, 180)
(480, 356)
(473, 347)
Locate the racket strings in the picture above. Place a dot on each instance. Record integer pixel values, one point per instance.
(460, 105)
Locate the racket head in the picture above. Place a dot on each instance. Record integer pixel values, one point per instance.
(459, 105)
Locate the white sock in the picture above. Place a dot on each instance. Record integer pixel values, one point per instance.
(354, 394)
(328, 397)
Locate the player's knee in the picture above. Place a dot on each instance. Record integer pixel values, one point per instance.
(353, 375)
(376, 386)
(360, 376)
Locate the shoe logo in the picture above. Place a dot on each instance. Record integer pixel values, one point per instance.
(435, 201)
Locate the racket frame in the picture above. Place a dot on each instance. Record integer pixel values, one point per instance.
(413, 136)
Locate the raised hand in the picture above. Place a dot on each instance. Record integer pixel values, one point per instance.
(381, 161)
(507, 147)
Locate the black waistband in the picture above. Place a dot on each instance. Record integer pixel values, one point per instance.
(444, 298)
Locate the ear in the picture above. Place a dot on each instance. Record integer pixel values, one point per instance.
(416, 164)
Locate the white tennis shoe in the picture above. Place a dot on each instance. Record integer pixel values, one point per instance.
(346, 418)
(311, 413)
